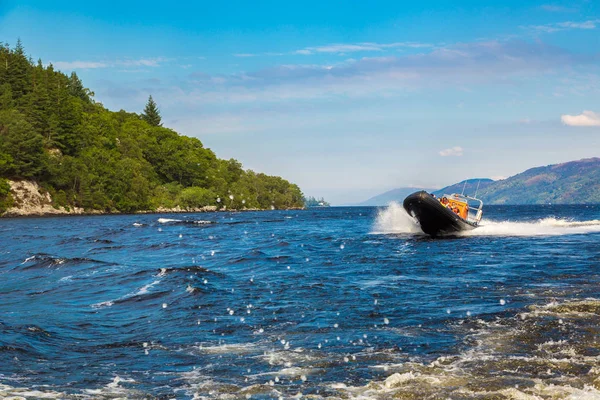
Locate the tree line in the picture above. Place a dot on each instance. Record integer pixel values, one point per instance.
(54, 132)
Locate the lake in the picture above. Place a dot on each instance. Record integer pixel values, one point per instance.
(340, 302)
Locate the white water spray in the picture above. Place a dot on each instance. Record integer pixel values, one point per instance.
(394, 219)
(541, 227)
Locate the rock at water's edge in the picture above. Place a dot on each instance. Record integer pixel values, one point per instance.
(30, 200)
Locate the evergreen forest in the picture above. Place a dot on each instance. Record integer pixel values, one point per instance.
(52, 131)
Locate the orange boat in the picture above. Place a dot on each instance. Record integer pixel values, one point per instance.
(446, 215)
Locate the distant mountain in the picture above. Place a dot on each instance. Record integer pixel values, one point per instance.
(467, 187)
(397, 195)
(574, 182)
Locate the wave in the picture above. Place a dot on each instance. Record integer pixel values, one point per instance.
(184, 221)
(547, 352)
(42, 260)
(541, 227)
(394, 219)
(191, 268)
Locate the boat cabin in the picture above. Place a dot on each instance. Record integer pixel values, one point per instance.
(468, 208)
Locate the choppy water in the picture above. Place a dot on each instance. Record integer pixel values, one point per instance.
(325, 303)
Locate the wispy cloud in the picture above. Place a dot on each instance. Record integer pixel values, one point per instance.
(79, 64)
(459, 63)
(586, 118)
(143, 62)
(458, 66)
(455, 151)
(341, 48)
(564, 26)
(555, 8)
(128, 63)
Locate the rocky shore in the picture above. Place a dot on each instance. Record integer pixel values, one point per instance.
(29, 200)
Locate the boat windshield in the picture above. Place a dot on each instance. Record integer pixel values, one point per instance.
(473, 207)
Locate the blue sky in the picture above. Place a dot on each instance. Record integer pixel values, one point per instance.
(346, 98)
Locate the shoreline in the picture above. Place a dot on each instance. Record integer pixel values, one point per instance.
(98, 213)
(31, 201)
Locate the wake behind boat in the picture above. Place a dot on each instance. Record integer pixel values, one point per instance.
(447, 215)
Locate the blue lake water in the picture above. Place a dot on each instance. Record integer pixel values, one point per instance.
(325, 303)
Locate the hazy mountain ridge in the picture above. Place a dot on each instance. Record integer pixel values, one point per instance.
(396, 195)
(573, 182)
(471, 187)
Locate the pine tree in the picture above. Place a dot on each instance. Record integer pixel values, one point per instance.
(38, 104)
(18, 68)
(23, 146)
(4, 56)
(151, 113)
(67, 135)
(76, 88)
(6, 97)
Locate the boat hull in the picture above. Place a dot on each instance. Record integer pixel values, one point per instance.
(434, 218)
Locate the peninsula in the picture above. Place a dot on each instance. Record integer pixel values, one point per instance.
(62, 152)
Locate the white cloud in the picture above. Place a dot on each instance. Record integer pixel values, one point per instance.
(586, 118)
(79, 65)
(460, 65)
(564, 26)
(579, 25)
(555, 8)
(455, 151)
(341, 48)
(142, 62)
(244, 55)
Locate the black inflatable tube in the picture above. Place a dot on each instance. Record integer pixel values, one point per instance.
(434, 218)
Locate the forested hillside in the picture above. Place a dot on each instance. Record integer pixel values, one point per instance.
(574, 182)
(53, 131)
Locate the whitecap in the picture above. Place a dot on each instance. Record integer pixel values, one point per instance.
(103, 304)
(168, 220)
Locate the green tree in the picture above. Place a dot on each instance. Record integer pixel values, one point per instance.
(23, 146)
(76, 88)
(5, 196)
(6, 96)
(196, 197)
(151, 113)
(19, 71)
(70, 111)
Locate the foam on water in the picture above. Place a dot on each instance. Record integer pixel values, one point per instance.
(550, 352)
(168, 220)
(9, 392)
(394, 219)
(144, 289)
(541, 227)
(183, 221)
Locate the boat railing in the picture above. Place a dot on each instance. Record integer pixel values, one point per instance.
(475, 212)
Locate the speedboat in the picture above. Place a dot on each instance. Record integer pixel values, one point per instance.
(445, 215)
